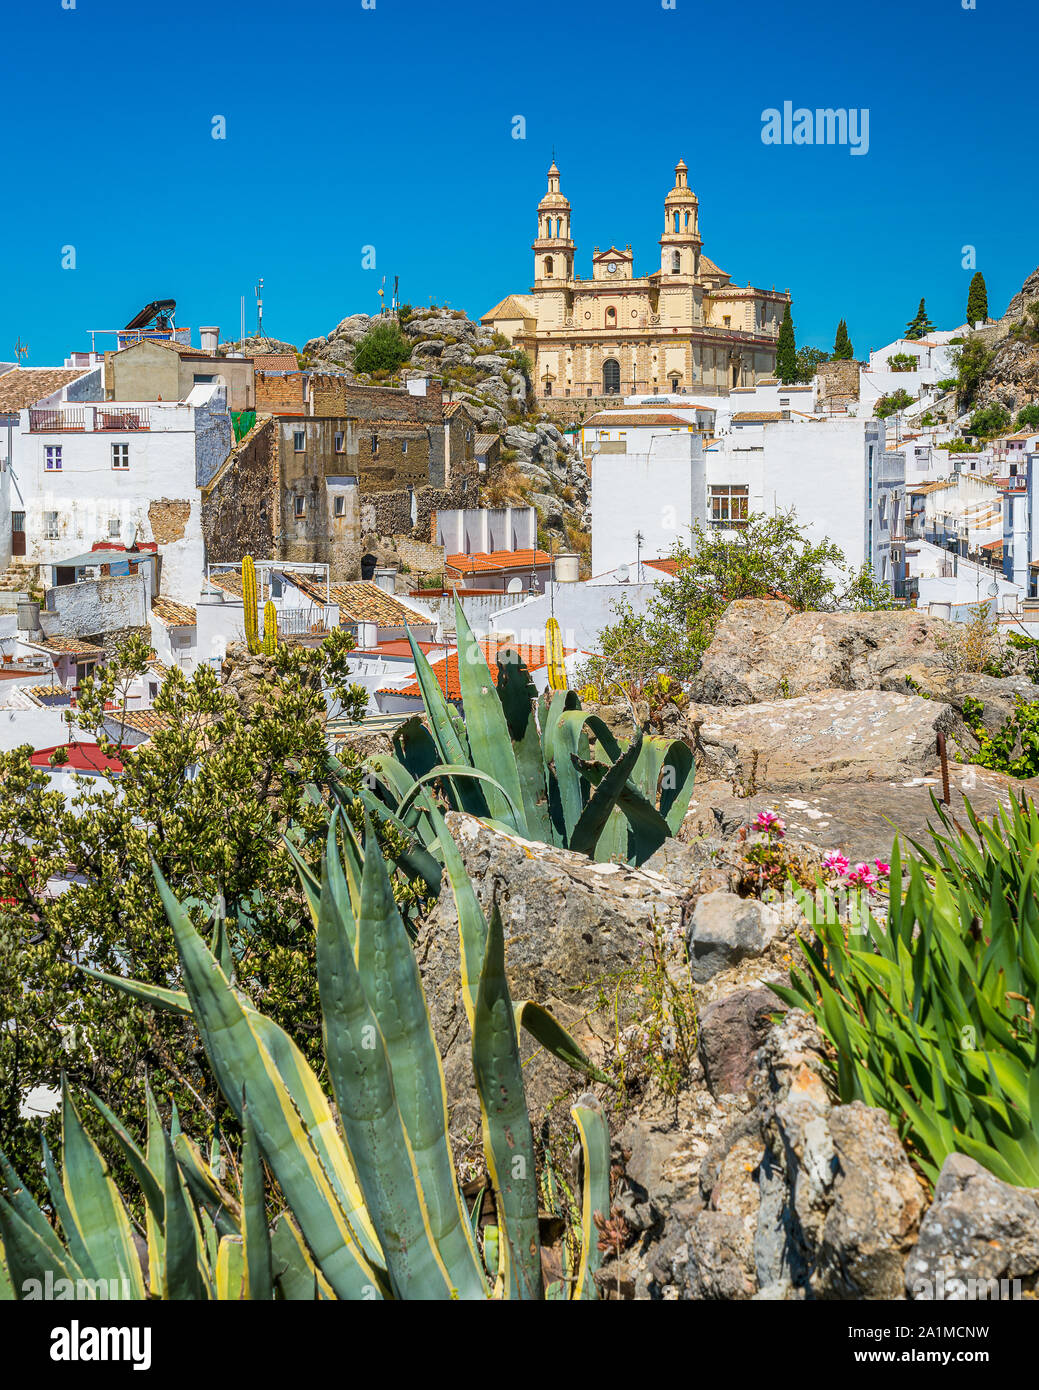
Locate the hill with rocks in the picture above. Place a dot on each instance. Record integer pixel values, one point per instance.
(1012, 376)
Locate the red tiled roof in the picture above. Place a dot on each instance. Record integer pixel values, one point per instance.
(82, 757)
(446, 669)
(668, 566)
(497, 560)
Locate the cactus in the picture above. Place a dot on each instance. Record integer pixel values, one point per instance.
(370, 1204)
(249, 602)
(270, 628)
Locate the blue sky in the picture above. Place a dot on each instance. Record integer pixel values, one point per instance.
(392, 128)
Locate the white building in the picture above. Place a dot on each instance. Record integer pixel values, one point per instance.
(128, 472)
(646, 498)
(907, 364)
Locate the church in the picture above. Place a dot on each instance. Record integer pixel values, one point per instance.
(684, 328)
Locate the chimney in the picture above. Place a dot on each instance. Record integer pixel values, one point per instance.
(385, 576)
(208, 339)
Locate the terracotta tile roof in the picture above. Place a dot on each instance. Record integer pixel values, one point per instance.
(173, 614)
(497, 560)
(484, 442)
(360, 601)
(79, 757)
(606, 420)
(228, 580)
(668, 566)
(513, 306)
(145, 721)
(39, 693)
(446, 669)
(275, 362)
(761, 416)
(159, 667)
(24, 386)
(922, 489)
(68, 646)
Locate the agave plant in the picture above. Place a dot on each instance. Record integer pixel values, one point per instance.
(528, 765)
(932, 1015)
(370, 1202)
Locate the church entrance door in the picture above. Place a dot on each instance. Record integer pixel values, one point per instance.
(611, 377)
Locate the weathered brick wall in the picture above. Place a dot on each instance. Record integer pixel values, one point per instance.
(420, 556)
(381, 407)
(279, 391)
(239, 506)
(839, 380)
(400, 458)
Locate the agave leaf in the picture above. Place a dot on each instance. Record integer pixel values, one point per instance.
(230, 1269)
(77, 1249)
(518, 697)
(137, 1161)
(463, 773)
(584, 836)
(297, 1276)
(175, 1000)
(183, 1251)
(28, 1256)
(508, 1141)
(237, 1043)
(259, 1282)
(554, 1038)
(209, 1193)
(21, 1202)
(392, 984)
(489, 742)
(594, 1134)
(95, 1205)
(359, 1068)
(450, 743)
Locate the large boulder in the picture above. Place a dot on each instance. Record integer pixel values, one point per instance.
(763, 649)
(978, 1240)
(807, 740)
(732, 1029)
(726, 929)
(575, 934)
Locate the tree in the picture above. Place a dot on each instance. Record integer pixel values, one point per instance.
(972, 361)
(919, 326)
(892, 404)
(842, 348)
(1028, 417)
(767, 557)
(786, 350)
(989, 420)
(977, 300)
(807, 359)
(382, 349)
(209, 800)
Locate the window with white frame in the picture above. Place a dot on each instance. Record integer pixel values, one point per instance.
(339, 505)
(113, 526)
(50, 526)
(120, 456)
(729, 504)
(299, 441)
(52, 458)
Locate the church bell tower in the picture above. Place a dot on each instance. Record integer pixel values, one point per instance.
(680, 245)
(553, 249)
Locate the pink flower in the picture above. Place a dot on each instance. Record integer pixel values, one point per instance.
(882, 869)
(835, 861)
(770, 823)
(862, 876)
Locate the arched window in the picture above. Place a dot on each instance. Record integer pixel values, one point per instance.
(548, 265)
(676, 262)
(677, 215)
(611, 317)
(611, 377)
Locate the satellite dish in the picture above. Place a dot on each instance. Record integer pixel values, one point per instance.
(515, 586)
(621, 574)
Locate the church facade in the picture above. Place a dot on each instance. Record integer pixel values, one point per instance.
(684, 328)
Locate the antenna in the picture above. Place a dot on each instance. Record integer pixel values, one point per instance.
(395, 303)
(21, 349)
(258, 291)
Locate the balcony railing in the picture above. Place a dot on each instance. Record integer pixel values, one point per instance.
(83, 419)
(1017, 483)
(303, 622)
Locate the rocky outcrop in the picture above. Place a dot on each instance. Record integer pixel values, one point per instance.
(763, 649)
(725, 929)
(978, 1240)
(802, 742)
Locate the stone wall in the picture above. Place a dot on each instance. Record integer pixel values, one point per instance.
(838, 382)
(106, 605)
(239, 505)
(390, 513)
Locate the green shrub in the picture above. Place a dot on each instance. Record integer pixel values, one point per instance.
(892, 403)
(1028, 417)
(383, 348)
(1013, 748)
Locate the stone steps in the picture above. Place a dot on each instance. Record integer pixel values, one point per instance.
(17, 579)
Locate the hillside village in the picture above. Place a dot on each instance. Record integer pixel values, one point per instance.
(497, 597)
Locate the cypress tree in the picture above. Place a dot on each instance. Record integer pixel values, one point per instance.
(786, 350)
(842, 348)
(917, 327)
(977, 300)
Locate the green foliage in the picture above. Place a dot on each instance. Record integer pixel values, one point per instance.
(842, 348)
(807, 359)
(370, 1208)
(1027, 417)
(903, 362)
(530, 765)
(977, 299)
(1013, 748)
(920, 325)
(947, 383)
(382, 349)
(989, 420)
(930, 1014)
(210, 798)
(522, 363)
(973, 360)
(893, 402)
(786, 350)
(1028, 328)
(769, 557)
